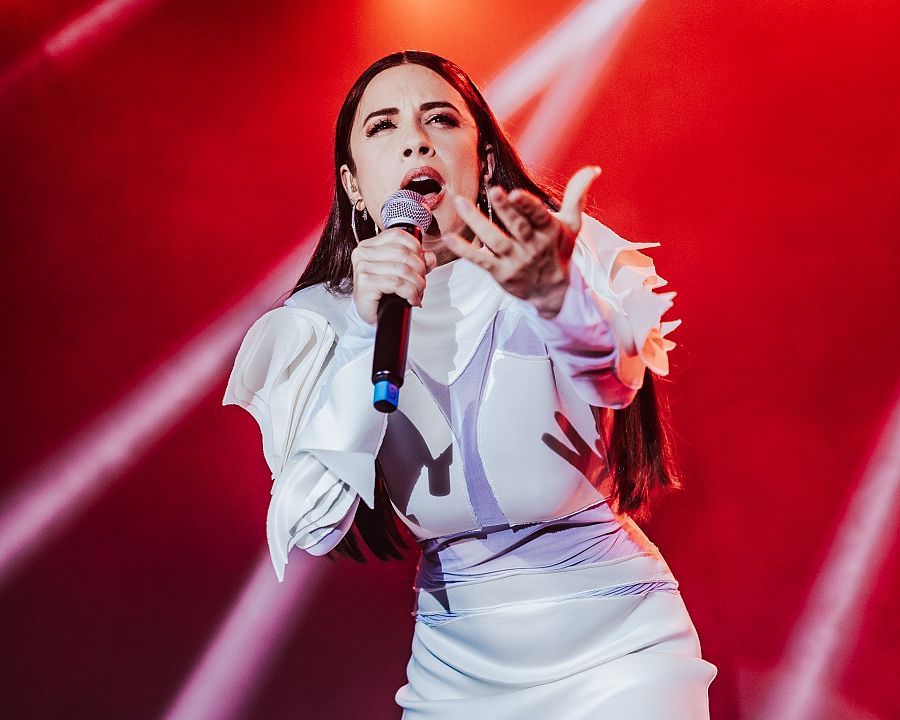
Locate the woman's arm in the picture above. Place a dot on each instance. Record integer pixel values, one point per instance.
(311, 395)
(587, 292)
(608, 330)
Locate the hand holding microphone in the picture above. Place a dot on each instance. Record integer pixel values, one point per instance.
(388, 278)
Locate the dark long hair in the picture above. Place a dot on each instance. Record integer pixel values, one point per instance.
(640, 459)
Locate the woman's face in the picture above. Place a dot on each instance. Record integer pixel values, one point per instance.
(413, 130)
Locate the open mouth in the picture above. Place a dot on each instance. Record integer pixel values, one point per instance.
(428, 183)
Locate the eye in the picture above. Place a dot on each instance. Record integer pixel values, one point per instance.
(384, 124)
(443, 119)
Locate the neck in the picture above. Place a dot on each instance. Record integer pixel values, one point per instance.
(441, 251)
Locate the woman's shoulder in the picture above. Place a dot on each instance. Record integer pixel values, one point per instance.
(288, 341)
(310, 318)
(318, 301)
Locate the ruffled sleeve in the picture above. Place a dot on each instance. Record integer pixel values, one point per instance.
(625, 278)
(319, 431)
(609, 329)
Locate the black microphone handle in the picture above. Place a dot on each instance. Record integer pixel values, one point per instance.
(392, 338)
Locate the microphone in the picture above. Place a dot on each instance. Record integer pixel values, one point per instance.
(403, 209)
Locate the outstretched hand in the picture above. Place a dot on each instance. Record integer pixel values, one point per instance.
(532, 261)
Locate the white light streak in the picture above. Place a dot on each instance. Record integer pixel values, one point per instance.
(100, 19)
(238, 660)
(562, 51)
(549, 126)
(81, 34)
(826, 630)
(65, 483)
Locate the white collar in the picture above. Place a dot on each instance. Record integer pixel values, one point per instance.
(459, 304)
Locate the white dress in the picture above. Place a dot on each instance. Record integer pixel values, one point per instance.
(533, 599)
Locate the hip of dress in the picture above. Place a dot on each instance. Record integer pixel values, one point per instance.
(609, 639)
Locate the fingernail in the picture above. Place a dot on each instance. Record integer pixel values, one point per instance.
(461, 203)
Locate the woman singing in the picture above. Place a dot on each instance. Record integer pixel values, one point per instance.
(527, 431)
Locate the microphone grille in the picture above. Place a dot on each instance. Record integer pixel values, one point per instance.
(405, 207)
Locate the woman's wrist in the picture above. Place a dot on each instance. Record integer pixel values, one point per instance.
(549, 300)
(356, 324)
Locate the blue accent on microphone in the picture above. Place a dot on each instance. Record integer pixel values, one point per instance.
(387, 396)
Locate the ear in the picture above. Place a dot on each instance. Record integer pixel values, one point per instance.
(350, 186)
(488, 164)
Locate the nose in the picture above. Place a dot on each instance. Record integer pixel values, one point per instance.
(417, 143)
(424, 151)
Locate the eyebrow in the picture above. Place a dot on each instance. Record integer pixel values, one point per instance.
(424, 107)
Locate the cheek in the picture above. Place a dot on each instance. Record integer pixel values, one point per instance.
(466, 182)
(466, 178)
(374, 190)
(368, 172)
(474, 177)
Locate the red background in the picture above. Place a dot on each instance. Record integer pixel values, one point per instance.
(149, 183)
